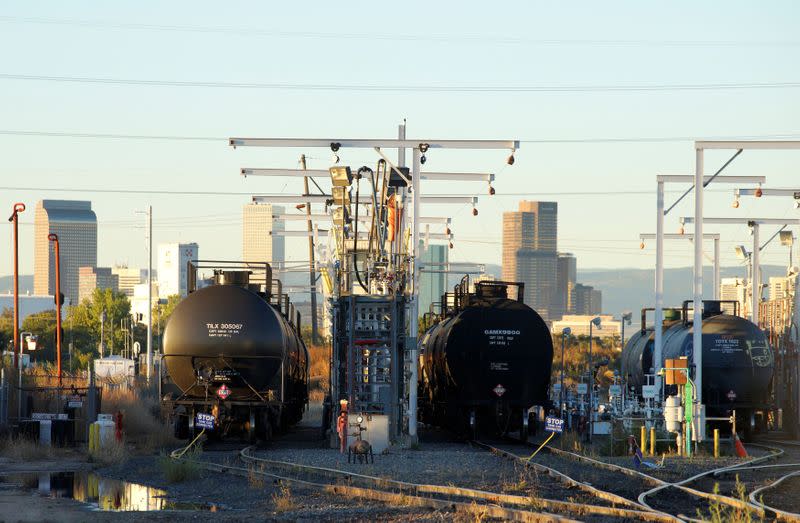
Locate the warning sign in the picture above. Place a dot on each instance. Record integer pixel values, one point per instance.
(204, 421)
(553, 424)
(223, 392)
(499, 390)
(731, 395)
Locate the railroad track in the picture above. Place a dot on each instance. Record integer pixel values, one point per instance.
(772, 484)
(600, 496)
(675, 500)
(439, 497)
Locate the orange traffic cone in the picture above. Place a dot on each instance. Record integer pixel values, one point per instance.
(740, 450)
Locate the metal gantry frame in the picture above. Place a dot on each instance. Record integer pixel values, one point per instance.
(690, 237)
(418, 148)
(300, 173)
(659, 277)
(700, 147)
(755, 223)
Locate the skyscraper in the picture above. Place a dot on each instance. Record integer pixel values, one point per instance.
(258, 243)
(172, 266)
(91, 278)
(587, 299)
(127, 278)
(566, 278)
(530, 253)
(75, 223)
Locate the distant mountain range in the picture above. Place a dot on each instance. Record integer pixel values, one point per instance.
(623, 289)
(25, 284)
(633, 289)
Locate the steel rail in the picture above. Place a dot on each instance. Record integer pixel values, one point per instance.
(400, 499)
(461, 492)
(727, 500)
(645, 512)
(781, 514)
(680, 485)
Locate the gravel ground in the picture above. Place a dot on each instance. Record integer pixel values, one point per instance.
(785, 496)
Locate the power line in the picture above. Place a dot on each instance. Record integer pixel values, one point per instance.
(481, 39)
(55, 134)
(251, 193)
(433, 88)
(646, 139)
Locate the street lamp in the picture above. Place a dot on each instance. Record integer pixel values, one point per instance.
(59, 302)
(566, 331)
(744, 255)
(626, 318)
(787, 240)
(594, 322)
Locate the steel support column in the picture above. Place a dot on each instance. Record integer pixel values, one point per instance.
(697, 334)
(659, 312)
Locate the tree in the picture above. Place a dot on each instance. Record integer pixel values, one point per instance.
(7, 328)
(43, 325)
(161, 315)
(576, 357)
(84, 320)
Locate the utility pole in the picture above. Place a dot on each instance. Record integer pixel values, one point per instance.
(102, 333)
(312, 273)
(149, 292)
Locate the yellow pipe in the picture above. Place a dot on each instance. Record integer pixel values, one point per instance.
(179, 454)
(716, 443)
(652, 441)
(643, 438)
(542, 446)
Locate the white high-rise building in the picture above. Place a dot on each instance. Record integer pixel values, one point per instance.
(778, 287)
(172, 267)
(139, 308)
(127, 278)
(735, 289)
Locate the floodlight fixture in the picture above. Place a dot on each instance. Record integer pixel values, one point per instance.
(341, 195)
(341, 176)
(741, 252)
(596, 321)
(787, 238)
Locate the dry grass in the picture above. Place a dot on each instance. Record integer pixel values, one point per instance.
(184, 469)
(114, 454)
(21, 449)
(254, 479)
(720, 513)
(283, 500)
(140, 420)
(318, 371)
(473, 512)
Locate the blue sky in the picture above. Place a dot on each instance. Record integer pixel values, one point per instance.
(411, 43)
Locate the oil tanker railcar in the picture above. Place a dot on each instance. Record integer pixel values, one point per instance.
(485, 362)
(738, 363)
(233, 353)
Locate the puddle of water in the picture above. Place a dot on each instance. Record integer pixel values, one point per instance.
(101, 493)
